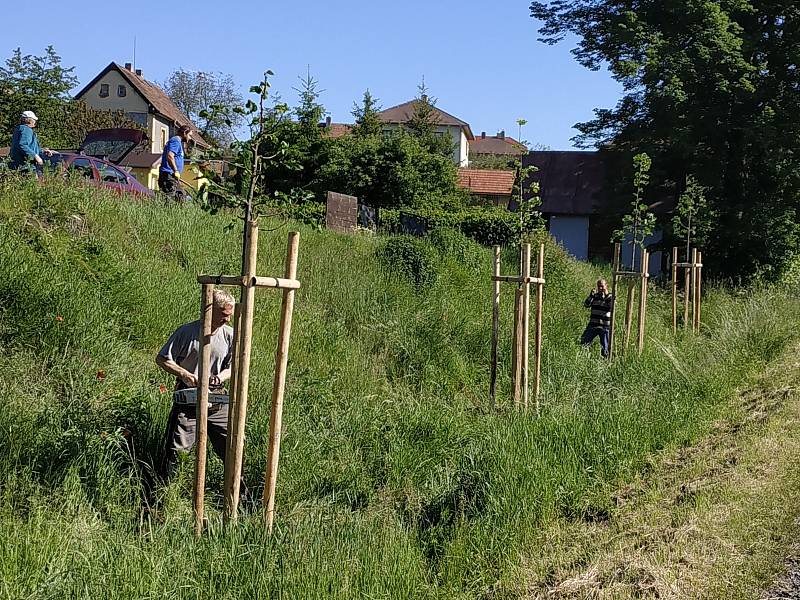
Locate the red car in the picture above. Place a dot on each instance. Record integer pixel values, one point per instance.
(98, 156)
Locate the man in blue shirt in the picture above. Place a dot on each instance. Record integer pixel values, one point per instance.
(169, 175)
(26, 154)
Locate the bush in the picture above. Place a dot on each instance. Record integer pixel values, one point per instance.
(451, 242)
(409, 257)
(490, 226)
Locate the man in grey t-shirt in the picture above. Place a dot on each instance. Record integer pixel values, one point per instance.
(180, 357)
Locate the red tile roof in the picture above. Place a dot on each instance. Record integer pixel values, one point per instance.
(337, 130)
(155, 96)
(496, 145)
(487, 181)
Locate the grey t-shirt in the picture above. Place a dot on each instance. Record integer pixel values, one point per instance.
(183, 347)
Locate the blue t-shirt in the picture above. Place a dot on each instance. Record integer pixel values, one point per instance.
(24, 146)
(174, 145)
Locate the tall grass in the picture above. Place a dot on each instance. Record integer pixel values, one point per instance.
(397, 479)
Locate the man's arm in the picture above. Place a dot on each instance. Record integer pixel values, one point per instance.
(588, 302)
(171, 162)
(173, 368)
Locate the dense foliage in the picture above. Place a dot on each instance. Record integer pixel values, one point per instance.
(42, 84)
(712, 90)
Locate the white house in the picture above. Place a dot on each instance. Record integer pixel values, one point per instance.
(446, 125)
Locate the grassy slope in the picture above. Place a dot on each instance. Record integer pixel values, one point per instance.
(713, 520)
(397, 480)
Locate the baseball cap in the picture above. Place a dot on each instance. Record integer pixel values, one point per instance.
(29, 114)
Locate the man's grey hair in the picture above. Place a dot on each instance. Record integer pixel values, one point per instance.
(26, 120)
(223, 299)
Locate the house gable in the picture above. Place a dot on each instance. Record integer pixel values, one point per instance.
(153, 97)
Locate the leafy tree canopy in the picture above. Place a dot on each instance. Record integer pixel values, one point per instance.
(195, 91)
(712, 89)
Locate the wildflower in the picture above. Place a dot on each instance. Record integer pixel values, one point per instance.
(162, 388)
(59, 318)
(101, 375)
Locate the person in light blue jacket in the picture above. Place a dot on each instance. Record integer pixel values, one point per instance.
(26, 154)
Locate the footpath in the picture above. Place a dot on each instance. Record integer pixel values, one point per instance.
(719, 519)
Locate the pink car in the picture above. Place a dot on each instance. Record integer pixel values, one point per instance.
(98, 156)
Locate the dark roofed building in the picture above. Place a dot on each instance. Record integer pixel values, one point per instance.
(576, 202)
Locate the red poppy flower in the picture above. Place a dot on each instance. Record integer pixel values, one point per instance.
(162, 388)
(59, 318)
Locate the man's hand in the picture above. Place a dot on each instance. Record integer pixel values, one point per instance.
(189, 379)
(38, 160)
(176, 175)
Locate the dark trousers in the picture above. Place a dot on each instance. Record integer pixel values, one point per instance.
(592, 332)
(168, 184)
(180, 437)
(180, 434)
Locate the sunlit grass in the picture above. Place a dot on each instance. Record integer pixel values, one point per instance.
(397, 479)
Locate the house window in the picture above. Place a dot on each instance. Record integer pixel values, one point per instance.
(163, 136)
(438, 133)
(121, 91)
(104, 90)
(387, 133)
(139, 117)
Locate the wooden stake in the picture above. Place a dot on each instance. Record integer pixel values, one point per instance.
(201, 409)
(628, 315)
(693, 293)
(495, 327)
(517, 348)
(232, 406)
(537, 381)
(243, 377)
(643, 301)
(687, 292)
(698, 284)
(526, 324)
(279, 382)
(614, 279)
(674, 290)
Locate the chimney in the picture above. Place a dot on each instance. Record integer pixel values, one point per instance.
(502, 135)
(424, 97)
(128, 66)
(328, 122)
(483, 135)
(139, 72)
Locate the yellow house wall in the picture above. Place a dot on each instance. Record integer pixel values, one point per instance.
(132, 102)
(147, 177)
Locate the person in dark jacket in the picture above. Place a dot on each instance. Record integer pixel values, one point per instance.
(601, 304)
(25, 153)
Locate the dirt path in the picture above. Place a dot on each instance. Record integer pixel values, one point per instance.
(787, 587)
(714, 520)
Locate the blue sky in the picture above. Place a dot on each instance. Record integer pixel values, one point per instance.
(480, 59)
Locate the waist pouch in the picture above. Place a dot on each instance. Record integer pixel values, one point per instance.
(188, 397)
